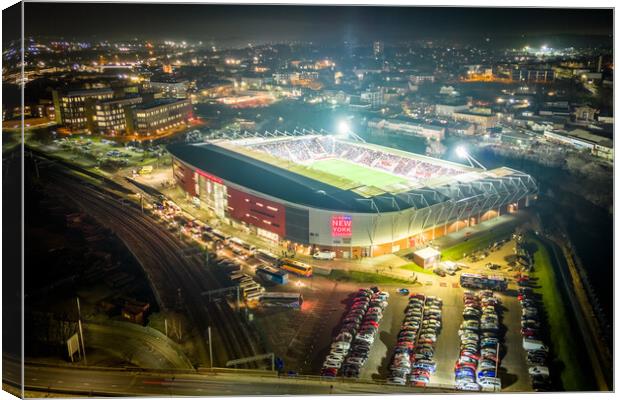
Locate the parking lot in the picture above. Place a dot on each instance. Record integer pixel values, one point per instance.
(302, 337)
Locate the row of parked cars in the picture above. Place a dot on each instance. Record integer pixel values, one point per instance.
(480, 334)
(413, 358)
(536, 350)
(351, 347)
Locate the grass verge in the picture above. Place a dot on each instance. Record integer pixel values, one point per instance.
(363, 277)
(564, 345)
(416, 268)
(476, 242)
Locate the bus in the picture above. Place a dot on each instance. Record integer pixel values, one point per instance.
(296, 267)
(246, 282)
(219, 235)
(254, 295)
(240, 277)
(251, 286)
(267, 256)
(244, 245)
(281, 299)
(272, 274)
(481, 281)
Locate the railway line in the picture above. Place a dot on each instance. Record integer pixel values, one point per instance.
(176, 279)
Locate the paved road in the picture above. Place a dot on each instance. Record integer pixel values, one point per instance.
(108, 382)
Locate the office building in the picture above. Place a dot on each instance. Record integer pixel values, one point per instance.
(160, 115)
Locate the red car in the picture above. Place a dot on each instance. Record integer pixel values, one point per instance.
(529, 332)
(417, 296)
(459, 365)
(470, 355)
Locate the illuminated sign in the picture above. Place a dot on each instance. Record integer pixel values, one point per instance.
(209, 176)
(341, 225)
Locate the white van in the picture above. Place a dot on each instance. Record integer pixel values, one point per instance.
(324, 255)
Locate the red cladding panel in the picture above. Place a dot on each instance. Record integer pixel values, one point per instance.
(257, 211)
(184, 176)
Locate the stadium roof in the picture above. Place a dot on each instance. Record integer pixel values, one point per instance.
(287, 184)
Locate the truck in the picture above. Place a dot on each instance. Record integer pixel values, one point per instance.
(482, 281)
(146, 170)
(531, 345)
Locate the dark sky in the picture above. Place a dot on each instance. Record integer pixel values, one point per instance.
(319, 23)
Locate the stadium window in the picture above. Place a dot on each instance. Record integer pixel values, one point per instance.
(259, 204)
(247, 200)
(267, 222)
(272, 208)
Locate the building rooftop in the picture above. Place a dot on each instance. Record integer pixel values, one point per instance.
(158, 103)
(293, 183)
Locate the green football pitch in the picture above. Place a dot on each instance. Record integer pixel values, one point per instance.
(357, 173)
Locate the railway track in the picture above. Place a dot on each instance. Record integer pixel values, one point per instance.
(161, 255)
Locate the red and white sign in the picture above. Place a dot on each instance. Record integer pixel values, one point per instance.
(341, 225)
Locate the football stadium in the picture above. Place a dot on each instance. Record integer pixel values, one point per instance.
(325, 192)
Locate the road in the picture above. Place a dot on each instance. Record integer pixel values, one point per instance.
(177, 278)
(120, 382)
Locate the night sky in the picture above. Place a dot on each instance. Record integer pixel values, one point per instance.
(312, 23)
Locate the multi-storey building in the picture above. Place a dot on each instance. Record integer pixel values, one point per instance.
(112, 117)
(75, 109)
(160, 115)
(170, 87)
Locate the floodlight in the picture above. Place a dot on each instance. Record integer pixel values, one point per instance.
(462, 152)
(343, 128)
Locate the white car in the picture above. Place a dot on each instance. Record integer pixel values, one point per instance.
(468, 386)
(397, 380)
(341, 345)
(337, 358)
(332, 364)
(539, 370)
(490, 384)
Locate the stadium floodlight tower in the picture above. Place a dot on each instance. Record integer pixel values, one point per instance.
(462, 152)
(345, 132)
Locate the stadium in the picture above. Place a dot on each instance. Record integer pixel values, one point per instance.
(318, 191)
